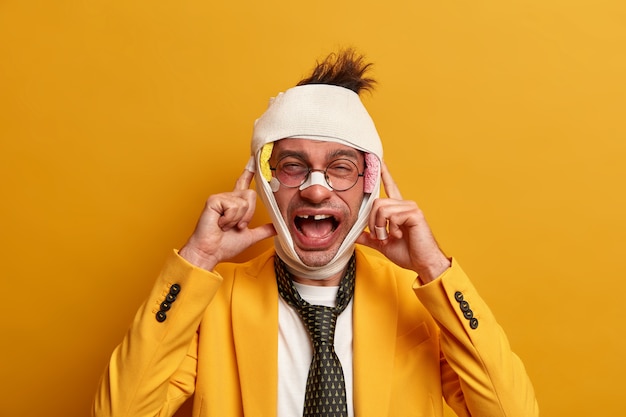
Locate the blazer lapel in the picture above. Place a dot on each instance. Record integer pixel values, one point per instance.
(255, 329)
(374, 322)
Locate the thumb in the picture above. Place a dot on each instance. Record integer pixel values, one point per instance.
(259, 233)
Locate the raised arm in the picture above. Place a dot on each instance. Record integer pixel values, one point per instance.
(481, 376)
(153, 370)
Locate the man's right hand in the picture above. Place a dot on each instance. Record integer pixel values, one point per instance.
(222, 231)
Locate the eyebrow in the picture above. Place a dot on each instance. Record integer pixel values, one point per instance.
(334, 154)
(349, 153)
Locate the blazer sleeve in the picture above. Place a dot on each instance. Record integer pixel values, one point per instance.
(152, 371)
(481, 376)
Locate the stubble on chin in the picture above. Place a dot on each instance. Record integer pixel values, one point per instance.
(316, 258)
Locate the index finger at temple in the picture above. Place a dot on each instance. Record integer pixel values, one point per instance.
(391, 188)
(244, 180)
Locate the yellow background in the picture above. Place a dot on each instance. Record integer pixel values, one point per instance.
(505, 120)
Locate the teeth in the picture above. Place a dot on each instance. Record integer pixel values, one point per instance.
(316, 217)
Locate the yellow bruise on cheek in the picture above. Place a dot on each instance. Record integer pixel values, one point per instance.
(264, 160)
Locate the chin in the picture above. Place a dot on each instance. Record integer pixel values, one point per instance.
(316, 258)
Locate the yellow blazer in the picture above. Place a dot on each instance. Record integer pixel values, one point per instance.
(412, 346)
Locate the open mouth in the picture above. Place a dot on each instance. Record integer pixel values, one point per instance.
(316, 226)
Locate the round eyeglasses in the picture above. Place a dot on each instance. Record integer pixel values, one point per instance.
(340, 174)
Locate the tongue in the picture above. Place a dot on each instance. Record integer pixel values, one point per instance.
(316, 228)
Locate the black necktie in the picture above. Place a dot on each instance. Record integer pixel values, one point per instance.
(325, 386)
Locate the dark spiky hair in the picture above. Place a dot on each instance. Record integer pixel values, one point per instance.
(346, 68)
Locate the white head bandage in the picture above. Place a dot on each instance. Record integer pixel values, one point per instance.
(318, 112)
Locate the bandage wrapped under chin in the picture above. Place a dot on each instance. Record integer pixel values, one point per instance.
(325, 113)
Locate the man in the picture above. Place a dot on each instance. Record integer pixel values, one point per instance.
(317, 326)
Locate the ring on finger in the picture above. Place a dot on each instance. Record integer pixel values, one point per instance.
(381, 232)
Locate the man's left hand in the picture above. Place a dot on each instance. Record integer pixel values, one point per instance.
(403, 234)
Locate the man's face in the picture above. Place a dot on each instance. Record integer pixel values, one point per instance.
(318, 219)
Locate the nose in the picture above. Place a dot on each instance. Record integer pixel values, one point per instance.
(315, 189)
(316, 177)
